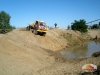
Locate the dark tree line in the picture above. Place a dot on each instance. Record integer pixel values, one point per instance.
(95, 26)
(82, 26)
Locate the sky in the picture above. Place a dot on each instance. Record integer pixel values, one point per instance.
(62, 12)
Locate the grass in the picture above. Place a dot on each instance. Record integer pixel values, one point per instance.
(71, 39)
(22, 29)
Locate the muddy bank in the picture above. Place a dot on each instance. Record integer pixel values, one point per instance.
(60, 58)
(71, 66)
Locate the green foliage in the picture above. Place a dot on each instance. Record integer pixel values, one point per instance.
(5, 21)
(70, 39)
(79, 25)
(68, 27)
(95, 26)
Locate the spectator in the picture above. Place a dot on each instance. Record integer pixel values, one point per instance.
(96, 37)
(55, 25)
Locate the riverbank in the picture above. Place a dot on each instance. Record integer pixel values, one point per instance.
(23, 53)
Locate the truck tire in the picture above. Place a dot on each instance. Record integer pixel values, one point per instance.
(43, 33)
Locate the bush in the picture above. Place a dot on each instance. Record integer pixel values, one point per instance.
(79, 25)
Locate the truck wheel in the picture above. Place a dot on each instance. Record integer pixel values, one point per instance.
(43, 33)
(35, 32)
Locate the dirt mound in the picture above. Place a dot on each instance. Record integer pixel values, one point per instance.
(55, 39)
(23, 53)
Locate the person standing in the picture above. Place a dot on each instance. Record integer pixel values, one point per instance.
(96, 37)
(55, 25)
(36, 25)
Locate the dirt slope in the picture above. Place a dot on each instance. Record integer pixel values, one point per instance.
(93, 33)
(22, 53)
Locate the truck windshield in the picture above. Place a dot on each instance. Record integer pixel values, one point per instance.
(42, 24)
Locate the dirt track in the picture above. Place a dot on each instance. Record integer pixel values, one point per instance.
(23, 53)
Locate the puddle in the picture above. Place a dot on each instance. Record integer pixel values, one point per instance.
(82, 51)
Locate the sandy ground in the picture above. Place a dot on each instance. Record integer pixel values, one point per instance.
(23, 53)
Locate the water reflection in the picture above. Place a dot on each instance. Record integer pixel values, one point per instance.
(82, 51)
(93, 46)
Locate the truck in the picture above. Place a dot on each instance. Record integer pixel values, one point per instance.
(38, 27)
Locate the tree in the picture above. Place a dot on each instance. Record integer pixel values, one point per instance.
(68, 27)
(79, 25)
(5, 20)
(95, 26)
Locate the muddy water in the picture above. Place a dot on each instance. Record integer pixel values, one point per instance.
(82, 51)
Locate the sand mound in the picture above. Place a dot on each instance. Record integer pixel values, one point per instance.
(23, 53)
